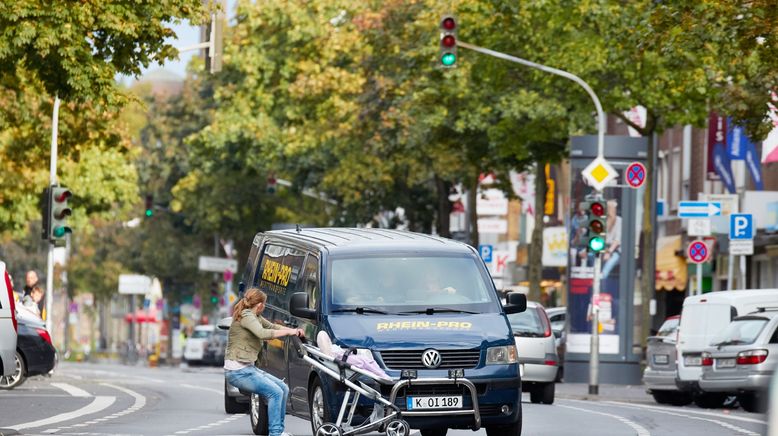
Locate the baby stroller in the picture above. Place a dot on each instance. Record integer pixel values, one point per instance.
(391, 423)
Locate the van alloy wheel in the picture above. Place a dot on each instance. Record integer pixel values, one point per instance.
(317, 407)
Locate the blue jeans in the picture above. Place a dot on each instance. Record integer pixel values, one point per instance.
(275, 392)
(611, 263)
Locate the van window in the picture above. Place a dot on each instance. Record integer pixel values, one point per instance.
(400, 283)
(278, 273)
(700, 322)
(310, 282)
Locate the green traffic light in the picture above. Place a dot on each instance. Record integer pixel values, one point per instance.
(596, 244)
(214, 300)
(448, 59)
(149, 212)
(60, 231)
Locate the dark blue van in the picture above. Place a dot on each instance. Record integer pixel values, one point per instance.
(423, 306)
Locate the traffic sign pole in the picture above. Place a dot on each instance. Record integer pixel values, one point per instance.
(594, 361)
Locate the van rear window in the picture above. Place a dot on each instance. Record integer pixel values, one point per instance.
(703, 321)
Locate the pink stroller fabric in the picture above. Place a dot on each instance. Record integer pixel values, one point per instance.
(361, 361)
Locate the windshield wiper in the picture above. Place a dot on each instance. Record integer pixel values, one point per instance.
(432, 310)
(729, 342)
(362, 310)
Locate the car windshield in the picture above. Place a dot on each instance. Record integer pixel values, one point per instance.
(527, 323)
(669, 327)
(740, 332)
(200, 334)
(405, 284)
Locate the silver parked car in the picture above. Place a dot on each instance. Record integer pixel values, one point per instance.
(743, 358)
(558, 318)
(8, 326)
(537, 352)
(660, 373)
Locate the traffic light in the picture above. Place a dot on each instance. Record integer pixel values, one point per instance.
(214, 293)
(59, 211)
(149, 206)
(448, 41)
(596, 225)
(271, 185)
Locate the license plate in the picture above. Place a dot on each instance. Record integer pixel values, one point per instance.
(725, 363)
(661, 359)
(420, 403)
(692, 361)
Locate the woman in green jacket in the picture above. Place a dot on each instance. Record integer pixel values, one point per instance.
(247, 332)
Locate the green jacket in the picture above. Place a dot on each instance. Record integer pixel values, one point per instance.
(245, 338)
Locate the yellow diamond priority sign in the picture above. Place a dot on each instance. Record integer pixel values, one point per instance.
(599, 173)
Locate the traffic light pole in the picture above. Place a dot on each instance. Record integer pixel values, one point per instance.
(594, 363)
(52, 181)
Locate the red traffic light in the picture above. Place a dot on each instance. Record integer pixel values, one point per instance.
(596, 227)
(448, 41)
(62, 196)
(597, 209)
(448, 23)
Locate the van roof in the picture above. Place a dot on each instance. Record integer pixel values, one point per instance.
(733, 297)
(359, 239)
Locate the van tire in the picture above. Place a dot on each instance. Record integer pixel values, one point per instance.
(753, 402)
(316, 393)
(231, 405)
(258, 414)
(434, 432)
(708, 400)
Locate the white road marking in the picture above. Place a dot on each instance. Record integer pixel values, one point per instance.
(726, 425)
(72, 390)
(641, 431)
(697, 412)
(213, 424)
(98, 404)
(202, 388)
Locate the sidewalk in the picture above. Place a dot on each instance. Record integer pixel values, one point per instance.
(626, 393)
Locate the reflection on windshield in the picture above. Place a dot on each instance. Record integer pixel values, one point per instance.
(740, 331)
(411, 283)
(527, 323)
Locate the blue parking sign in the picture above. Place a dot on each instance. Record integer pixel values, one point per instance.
(486, 252)
(741, 226)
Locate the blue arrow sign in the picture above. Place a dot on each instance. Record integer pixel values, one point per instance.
(699, 209)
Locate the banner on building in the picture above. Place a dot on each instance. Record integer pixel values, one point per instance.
(555, 246)
(770, 145)
(717, 134)
(723, 167)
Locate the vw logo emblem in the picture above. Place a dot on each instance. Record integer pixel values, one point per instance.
(431, 358)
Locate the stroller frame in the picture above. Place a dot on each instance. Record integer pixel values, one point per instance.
(392, 423)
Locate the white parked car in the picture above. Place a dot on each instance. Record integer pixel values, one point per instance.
(197, 344)
(536, 347)
(8, 325)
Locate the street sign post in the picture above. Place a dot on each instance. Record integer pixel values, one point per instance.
(741, 243)
(635, 175)
(698, 253)
(486, 252)
(217, 264)
(599, 173)
(698, 209)
(741, 226)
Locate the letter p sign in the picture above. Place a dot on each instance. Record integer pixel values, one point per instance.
(741, 226)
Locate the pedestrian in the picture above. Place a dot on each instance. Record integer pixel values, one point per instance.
(247, 331)
(31, 281)
(32, 300)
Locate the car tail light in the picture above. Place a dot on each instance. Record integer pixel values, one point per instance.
(44, 334)
(550, 360)
(751, 357)
(10, 289)
(707, 359)
(545, 321)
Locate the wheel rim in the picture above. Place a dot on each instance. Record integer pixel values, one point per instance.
(254, 409)
(397, 428)
(8, 381)
(317, 407)
(328, 430)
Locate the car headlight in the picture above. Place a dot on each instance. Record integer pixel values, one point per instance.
(502, 355)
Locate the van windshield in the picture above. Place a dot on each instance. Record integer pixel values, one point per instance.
(396, 284)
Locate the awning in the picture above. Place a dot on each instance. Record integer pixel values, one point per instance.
(142, 316)
(671, 273)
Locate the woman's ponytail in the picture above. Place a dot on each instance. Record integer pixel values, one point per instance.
(250, 299)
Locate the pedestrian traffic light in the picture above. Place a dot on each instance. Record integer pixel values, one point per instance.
(271, 185)
(448, 41)
(596, 225)
(59, 211)
(214, 293)
(149, 206)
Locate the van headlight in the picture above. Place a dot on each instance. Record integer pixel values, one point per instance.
(502, 355)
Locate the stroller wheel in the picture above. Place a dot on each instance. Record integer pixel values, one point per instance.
(329, 429)
(398, 427)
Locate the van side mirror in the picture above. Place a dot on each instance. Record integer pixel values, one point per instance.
(225, 323)
(298, 306)
(516, 303)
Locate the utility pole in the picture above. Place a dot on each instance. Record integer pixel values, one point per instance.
(602, 168)
(52, 182)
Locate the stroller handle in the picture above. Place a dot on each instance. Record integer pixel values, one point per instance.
(298, 345)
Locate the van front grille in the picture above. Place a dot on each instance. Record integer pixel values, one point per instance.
(450, 359)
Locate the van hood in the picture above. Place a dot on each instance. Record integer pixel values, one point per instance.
(416, 331)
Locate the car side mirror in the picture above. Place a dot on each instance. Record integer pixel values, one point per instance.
(225, 323)
(515, 303)
(241, 289)
(298, 306)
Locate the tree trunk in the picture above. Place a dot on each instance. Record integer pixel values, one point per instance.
(535, 267)
(444, 207)
(472, 195)
(648, 247)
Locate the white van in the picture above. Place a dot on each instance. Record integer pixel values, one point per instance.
(703, 316)
(8, 325)
(194, 352)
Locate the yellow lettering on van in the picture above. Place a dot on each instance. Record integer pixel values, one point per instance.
(382, 326)
(406, 324)
(394, 325)
(441, 324)
(421, 324)
(466, 325)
